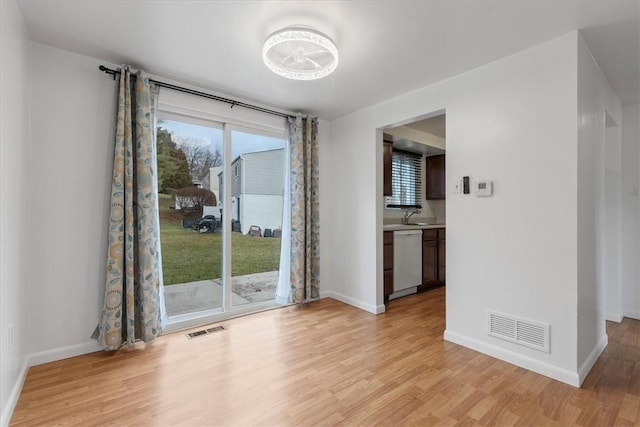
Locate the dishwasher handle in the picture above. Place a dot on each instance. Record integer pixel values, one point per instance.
(407, 233)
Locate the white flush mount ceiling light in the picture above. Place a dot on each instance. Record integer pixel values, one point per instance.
(300, 53)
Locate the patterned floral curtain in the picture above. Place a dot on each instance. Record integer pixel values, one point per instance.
(133, 298)
(305, 227)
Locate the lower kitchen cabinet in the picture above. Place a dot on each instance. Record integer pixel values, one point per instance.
(388, 264)
(433, 257)
(442, 255)
(429, 261)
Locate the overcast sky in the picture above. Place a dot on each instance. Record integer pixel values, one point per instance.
(241, 142)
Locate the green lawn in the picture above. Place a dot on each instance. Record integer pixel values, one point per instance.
(165, 201)
(188, 256)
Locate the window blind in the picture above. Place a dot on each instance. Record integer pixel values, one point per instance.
(406, 180)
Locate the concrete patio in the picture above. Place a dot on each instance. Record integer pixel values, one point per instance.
(202, 295)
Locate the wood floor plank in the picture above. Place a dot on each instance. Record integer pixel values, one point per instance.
(328, 364)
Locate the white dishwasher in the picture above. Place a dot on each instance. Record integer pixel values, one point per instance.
(407, 259)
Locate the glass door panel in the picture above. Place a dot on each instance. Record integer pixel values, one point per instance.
(257, 176)
(190, 164)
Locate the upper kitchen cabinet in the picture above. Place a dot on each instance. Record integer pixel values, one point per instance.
(435, 189)
(387, 156)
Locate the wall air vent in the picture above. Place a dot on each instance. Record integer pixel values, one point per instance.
(517, 330)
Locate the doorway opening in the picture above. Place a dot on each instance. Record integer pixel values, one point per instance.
(414, 206)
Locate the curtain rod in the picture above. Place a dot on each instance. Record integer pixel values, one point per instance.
(232, 102)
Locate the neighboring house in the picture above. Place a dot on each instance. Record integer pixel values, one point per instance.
(211, 182)
(257, 188)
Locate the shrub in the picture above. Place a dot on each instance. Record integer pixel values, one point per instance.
(192, 199)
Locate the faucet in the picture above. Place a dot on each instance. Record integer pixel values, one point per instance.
(408, 214)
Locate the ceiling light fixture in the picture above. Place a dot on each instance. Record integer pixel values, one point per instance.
(300, 53)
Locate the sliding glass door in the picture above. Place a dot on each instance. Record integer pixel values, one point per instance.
(221, 193)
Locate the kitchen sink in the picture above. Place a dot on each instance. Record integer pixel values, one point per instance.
(390, 227)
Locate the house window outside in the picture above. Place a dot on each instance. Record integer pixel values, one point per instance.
(406, 180)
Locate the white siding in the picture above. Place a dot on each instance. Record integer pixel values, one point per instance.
(264, 172)
(265, 211)
(236, 176)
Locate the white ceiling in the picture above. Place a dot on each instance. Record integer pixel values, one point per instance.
(386, 47)
(434, 125)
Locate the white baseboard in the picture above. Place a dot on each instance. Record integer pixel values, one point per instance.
(63, 353)
(614, 317)
(585, 368)
(7, 411)
(375, 309)
(632, 314)
(564, 375)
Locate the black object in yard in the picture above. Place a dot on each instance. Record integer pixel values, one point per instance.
(206, 224)
(255, 231)
(267, 232)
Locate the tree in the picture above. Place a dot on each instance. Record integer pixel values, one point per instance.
(173, 168)
(199, 157)
(194, 198)
(181, 177)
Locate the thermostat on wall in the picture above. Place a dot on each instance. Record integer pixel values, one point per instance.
(484, 188)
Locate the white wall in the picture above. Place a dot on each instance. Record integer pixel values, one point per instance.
(612, 226)
(513, 121)
(262, 210)
(72, 130)
(630, 211)
(14, 204)
(595, 98)
(326, 204)
(72, 134)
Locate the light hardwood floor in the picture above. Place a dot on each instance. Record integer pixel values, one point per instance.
(328, 364)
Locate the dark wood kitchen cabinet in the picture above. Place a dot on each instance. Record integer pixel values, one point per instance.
(433, 257)
(429, 256)
(388, 264)
(435, 187)
(442, 255)
(387, 166)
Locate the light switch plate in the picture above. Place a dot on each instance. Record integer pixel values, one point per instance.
(457, 187)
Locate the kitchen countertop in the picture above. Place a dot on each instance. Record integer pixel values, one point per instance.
(399, 227)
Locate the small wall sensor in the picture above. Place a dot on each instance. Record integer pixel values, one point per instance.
(484, 188)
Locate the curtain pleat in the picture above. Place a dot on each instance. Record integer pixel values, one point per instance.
(305, 226)
(133, 298)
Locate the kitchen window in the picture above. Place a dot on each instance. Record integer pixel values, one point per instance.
(406, 180)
